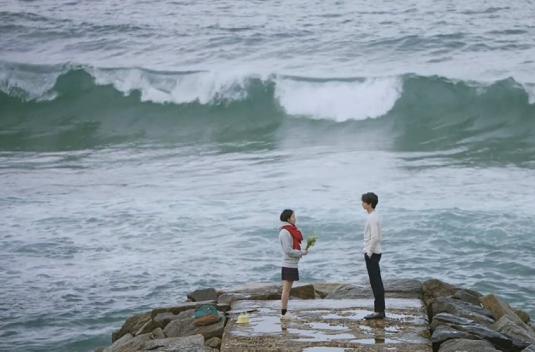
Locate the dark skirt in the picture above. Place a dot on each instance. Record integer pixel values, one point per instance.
(290, 274)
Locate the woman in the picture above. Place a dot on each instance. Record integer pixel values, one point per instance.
(290, 238)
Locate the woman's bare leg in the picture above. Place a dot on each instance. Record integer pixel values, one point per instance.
(286, 288)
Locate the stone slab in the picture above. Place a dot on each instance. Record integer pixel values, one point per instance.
(329, 325)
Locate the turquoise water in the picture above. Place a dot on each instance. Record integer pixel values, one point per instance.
(148, 150)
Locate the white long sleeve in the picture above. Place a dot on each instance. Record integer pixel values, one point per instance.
(373, 235)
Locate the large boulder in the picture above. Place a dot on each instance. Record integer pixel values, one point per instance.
(522, 315)
(460, 308)
(205, 294)
(408, 288)
(129, 343)
(264, 291)
(147, 327)
(214, 342)
(473, 329)
(305, 291)
(350, 291)
(466, 345)
(324, 289)
(162, 319)
(253, 291)
(444, 333)
(179, 308)
(481, 332)
(499, 308)
(469, 296)
(119, 342)
(450, 320)
(399, 288)
(131, 326)
(158, 333)
(214, 330)
(194, 343)
(432, 289)
(182, 325)
(521, 334)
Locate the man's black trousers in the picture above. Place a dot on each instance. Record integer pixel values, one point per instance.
(374, 273)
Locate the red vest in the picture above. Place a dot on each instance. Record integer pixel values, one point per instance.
(296, 235)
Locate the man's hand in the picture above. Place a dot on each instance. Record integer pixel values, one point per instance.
(304, 252)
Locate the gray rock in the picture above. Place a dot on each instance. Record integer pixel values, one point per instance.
(473, 328)
(460, 308)
(158, 333)
(182, 325)
(118, 343)
(214, 342)
(131, 325)
(450, 320)
(306, 291)
(499, 308)
(521, 335)
(348, 291)
(466, 345)
(432, 289)
(530, 348)
(179, 308)
(323, 289)
(214, 330)
(468, 296)
(444, 333)
(206, 294)
(147, 327)
(263, 291)
(403, 287)
(253, 291)
(162, 319)
(522, 315)
(134, 344)
(210, 349)
(194, 343)
(482, 332)
(399, 288)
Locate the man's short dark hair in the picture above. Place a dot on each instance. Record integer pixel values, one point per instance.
(370, 198)
(286, 215)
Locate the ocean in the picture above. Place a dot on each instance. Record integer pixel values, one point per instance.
(148, 148)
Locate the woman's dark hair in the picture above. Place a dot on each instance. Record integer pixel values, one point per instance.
(286, 214)
(370, 198)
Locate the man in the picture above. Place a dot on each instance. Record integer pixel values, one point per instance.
(372, 254)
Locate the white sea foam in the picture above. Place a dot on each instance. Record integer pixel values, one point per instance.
(335, 100)
(178, 88)
(29, 82)
(339, 100)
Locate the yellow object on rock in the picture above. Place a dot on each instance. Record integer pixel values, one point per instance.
(243, 319)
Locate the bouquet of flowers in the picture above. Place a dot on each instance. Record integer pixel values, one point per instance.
(311, 241)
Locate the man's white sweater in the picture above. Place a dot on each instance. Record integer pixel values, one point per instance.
(373, 234)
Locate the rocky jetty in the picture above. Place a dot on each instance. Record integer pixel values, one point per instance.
(429, 316)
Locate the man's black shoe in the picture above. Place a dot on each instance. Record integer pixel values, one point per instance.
(375, 315)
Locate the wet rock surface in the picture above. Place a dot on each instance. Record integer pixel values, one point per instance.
(326, 323)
